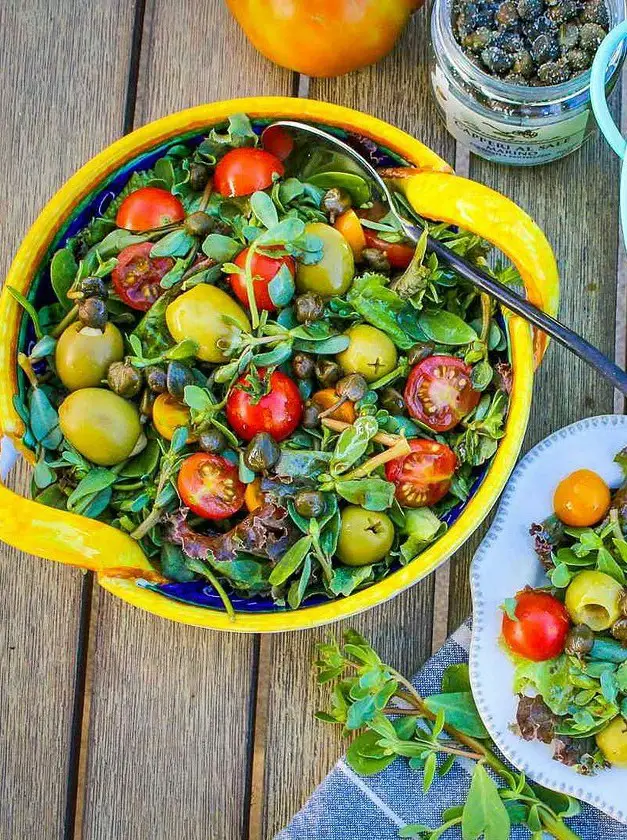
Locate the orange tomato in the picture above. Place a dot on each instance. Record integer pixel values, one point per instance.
(581, 499)
(350, 227)
(324, 399)
(323, 37)
(253, 497)
(168, 414)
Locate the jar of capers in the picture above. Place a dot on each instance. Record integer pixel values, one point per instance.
(511, 78)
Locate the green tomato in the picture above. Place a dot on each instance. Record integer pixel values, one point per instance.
(335, 271)
(612, 741)
(370, 353)
(365, 536)
(103, 427)
(83, 354)
(198, 314)
(593, 598)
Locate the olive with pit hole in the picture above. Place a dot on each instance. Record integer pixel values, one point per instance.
(370, 352)
(124, 379)
(612, 741)
(365, 536)
(262, 452)
(83, 354)
(593, 598)
(102, 426)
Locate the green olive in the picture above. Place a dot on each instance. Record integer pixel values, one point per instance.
(103, 427)
(83, 354)
(198, 314)
(365, 536)
(612, 741)
(370, 353)
(334, 273)
(593, 598)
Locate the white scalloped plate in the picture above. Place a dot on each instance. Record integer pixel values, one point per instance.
(505, 563)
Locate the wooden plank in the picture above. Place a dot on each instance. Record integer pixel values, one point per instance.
(56, 116)
(575, 201)
(170, 713)
(299, 750)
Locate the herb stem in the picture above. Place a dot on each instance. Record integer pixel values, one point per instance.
(25, 363)
(67, 319)
(213, 580)
(616, 529)
(149, 522)
(206, 195)
(250, 291)
(397, 451)
(380, 437)
(486, 317)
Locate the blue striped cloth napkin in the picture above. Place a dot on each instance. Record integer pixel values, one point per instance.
(349, 807)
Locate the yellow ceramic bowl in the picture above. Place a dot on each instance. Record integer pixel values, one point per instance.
(115, 557)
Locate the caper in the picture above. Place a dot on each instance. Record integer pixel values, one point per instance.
(156, 379)
(308, 307)
(335, 202)
(262, 453)
(198, 176)
(92, 312)
(198, 224)
(177, 377)
(619, 629)
(303, 365)
(311, 416)
(309, 503)
(353, 387)
(579, 640)
(124, 379)
(89, 287)
(212, 441)
(375, 259)
(327, 372)
(392, 401)
(147, 401)
(420, 351)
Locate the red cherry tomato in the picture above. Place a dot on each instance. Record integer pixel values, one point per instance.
(147, 208)
(137, 276)
(276, 140)
(264, 269)
(244, 171)
(541, 625)
(277, 412)
(210, 486)
(399, 255)
(439, 392)
(424, 476)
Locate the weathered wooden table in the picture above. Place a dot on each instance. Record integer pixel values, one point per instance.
(118, 725)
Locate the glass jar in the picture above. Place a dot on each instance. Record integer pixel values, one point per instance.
(505, 122)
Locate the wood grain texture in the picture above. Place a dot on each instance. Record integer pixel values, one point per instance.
(57, 59)
(580, 219)
(170, 733)
(299, 750)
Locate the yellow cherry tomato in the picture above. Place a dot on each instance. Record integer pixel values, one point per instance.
(83, 354)
(581, 499)
(370, 352)
(350, 227)
(253, 497)
(593, 598)
(168, 414)
(199, 314)
(612, 741)
(327, 397)
(103, 427)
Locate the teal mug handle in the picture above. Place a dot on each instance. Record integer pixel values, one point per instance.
(601, 110)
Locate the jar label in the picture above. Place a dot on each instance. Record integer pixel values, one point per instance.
(501, 142)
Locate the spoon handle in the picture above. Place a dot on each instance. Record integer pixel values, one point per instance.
(513, 301)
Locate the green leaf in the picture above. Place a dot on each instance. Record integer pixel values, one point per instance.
(550, 679)
(353, 443)
(446, 328)
(481, 375)
(286, 231)
(173, 564)
(44, 347)
(484, 813)
(383, 308)
(370, 493)
(264, 209)
(456, 678)
(185, 349)
(175, 244)
(28, 307)
(355, 185)
(221, 248)
(509, 606)
(298, 588)
(279, 354)
(44, 420)
(63, 268)
(326, 347)
(144, 464)
(429, 772)
(422, 527)
(281, 288)
(459, 711)
(347, 578)
(366, 757)
(95, 481)
(291, 561)
(607, 564)
(117, 240)
(295, 463)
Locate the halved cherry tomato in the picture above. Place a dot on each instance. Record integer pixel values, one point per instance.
(209, 485)
(581, 499)
(399, 255)
(540, 628)
(439, 392)
(244, 171)
(276, 140)
(253, 497)
(137, 276)
(147, 208)
(168, 414)
(277, 412)
(326, 398)
(424, 476)
(350, 227)
(264, 269)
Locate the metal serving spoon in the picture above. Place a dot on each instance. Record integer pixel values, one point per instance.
(481, 279)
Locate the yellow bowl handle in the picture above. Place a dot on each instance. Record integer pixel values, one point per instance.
(476, 208)
(66, 537)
